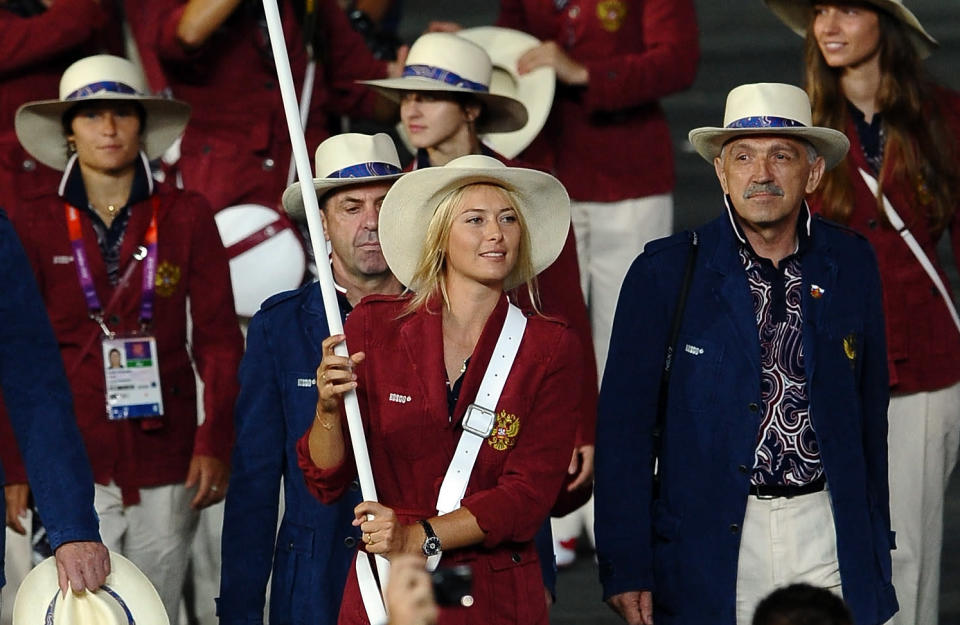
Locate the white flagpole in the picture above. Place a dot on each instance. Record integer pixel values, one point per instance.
(318, 241)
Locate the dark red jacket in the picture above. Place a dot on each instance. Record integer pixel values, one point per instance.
(237, 147)
(923, 345)
(610, 141)
(515, 480)
(192, 262)
(34, 52)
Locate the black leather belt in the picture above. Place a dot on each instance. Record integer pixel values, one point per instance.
(770, 491)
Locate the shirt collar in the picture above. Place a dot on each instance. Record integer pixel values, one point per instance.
(73, 190)
(804, 219)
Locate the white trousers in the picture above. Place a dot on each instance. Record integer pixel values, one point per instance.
(610, 235)
(154, 534)
(923, 438)
(785, 541)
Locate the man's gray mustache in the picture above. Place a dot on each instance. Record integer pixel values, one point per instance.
(767, 187)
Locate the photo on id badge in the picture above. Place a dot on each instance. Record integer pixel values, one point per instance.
(132, 377)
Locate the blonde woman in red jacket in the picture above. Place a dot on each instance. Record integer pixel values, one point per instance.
(117, 257)
(865, 78)
(460, 236)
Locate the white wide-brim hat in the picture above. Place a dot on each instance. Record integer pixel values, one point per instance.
(347, 159)
(39, 124)
(127, 598)
(797, 15)
(770, 109)
(534, 89)
(265, 252)
(445, 62)
(412, 202)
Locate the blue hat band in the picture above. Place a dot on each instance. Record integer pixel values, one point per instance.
(108, 86)
(366, 170)
(765, 121)
(444, 76)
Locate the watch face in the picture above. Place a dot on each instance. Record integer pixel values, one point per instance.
(431, 546)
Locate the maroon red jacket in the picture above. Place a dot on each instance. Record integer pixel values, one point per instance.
(518, 470)
(610, 141)
(236, 148)
(191, 262)
(34, 52)
(923, 345)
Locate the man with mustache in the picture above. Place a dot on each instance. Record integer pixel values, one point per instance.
(767, 415)
(316, 542)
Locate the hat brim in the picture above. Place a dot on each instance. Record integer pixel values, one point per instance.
(41, 586)
(40, 130)
(412, 201)
(534, 89)
(501, 113)
(292, 199)
(831, 144)
(796, 14)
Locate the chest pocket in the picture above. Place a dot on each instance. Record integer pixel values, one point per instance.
(696, 373)
(299, 399)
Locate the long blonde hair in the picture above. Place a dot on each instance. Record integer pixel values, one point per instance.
(429, 276)
(918, 150)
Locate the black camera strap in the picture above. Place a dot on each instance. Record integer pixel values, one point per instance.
(668, 357)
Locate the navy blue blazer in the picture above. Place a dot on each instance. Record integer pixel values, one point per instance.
(40, 405)
(684, 545)
(316, 542)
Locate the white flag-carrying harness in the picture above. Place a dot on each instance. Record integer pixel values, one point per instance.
(897, 222)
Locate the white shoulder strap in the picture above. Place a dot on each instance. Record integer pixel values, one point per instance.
(897, 222)
(480, 417)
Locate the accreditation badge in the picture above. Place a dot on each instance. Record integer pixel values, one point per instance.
(132, 377)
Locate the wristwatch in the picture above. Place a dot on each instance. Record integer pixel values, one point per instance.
(431, 546)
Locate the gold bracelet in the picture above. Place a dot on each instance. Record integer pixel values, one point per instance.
(324, 424)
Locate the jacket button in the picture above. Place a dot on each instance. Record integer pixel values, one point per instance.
(743, 468)
(206, 149)
(290, 546)
(574, 12)
(872, 224)
(734, 528)
(114, 319)
(268, 164)
(355, 485)
(29, 164)
(934, 291)
(349, 542)
(516, 557)
(753, 407)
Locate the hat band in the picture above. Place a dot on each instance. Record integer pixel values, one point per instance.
(51, 607)
(109, 86)
(366, 170)
(765, 121)
(444, 76)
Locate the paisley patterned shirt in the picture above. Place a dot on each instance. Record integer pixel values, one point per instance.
(787, 451)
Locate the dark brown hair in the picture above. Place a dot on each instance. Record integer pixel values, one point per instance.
(918, 151)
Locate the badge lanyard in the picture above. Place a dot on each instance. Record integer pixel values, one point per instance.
(146, 252)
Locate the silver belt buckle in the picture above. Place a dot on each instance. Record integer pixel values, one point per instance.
(478, 420)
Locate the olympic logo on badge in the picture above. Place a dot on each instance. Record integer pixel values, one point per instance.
(504, 435)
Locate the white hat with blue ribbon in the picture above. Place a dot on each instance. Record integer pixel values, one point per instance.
(444, 62)
(770, 109)
(347, 159)
(127, 598)
(39, 124)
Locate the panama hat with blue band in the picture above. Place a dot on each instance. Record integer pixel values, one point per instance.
(770, 109)
(105, 77)
(444, 62)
